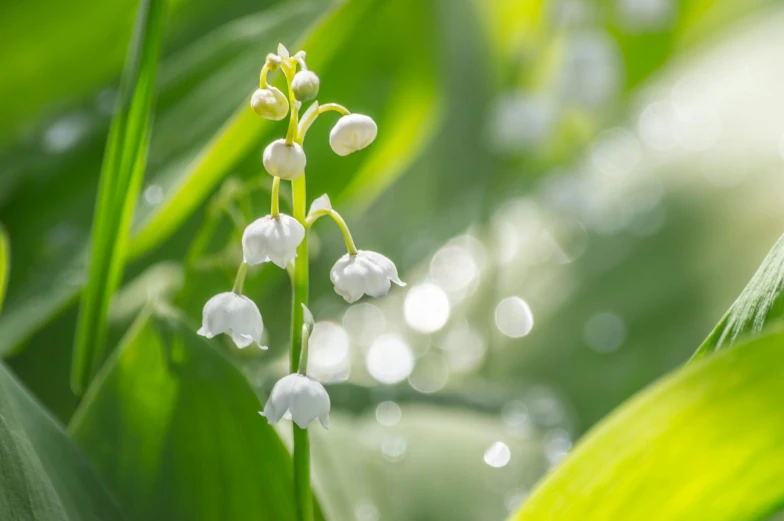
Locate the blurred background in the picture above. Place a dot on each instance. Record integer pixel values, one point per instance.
(575, 191)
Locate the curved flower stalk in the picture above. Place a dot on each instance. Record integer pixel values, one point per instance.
(283, 240)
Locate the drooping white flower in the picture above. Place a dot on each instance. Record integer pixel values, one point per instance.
(272, 239)
(302, 396)
(351, 133)
(305, 85)
(270, 103)
(367, 272)
(235, 315)
(284, 160)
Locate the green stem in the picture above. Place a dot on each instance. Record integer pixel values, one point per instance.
(299, 297)
(302, 475)
(347, 238)
(239, 280)
(263, 75)
(275, 196)
(308, 121)
(291, 135)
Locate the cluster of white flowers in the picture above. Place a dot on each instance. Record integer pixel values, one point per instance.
(276, 237)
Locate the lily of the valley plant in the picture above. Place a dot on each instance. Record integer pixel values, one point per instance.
(283, 240)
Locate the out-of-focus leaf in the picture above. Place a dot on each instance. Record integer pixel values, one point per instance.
(122, 173)
(704, 443)
(43, 476)
(5, 263)
(360, 465)
(406, 116)
(168, 418)
(200, 87)
(33, 46)
(759, 305)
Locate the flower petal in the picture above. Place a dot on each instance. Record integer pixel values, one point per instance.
(321, 203)
(272, 239)
(388, 267)
(242, 341)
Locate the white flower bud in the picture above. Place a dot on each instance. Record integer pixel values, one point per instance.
(305, 85)
(235, 315)
(270, 103)
(272, 239)
(284, 161)
(367, 272)
(302, 396)
(351, 133)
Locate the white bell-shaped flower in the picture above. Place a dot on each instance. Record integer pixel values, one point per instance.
(235, 315)
(284, 160)
(305, 85)
(367, 272)
(351, 133)
(270, 103)
(272, 239)
(301, 396)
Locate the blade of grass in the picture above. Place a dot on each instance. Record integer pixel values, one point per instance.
(760, 305)
(5, 262)
(122, 173)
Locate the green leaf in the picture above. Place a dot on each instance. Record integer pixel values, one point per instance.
(759, 305)
(5, 263)
(43, 476)
(122, 173)
(173, 428)
(704, 443)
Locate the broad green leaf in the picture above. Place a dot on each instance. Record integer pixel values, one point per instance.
(759, 305)
(122, 173)
(173, 428)
(43, 476)
(703, 443)
(5, 263)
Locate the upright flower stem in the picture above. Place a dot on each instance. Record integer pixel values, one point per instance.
(299, 284)
(300, 281)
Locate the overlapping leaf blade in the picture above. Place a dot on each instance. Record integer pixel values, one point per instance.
(759, 305)
(122, 173)
(43, 476)
(172, 427)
